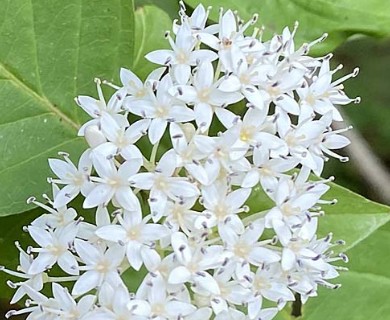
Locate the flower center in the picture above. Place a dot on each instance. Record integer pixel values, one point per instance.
(161, 111)
(204, 94)
(133, 233)
(242, 249)
(247, 133)
(158, 308)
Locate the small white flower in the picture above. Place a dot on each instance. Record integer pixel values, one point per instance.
(222, 207)
(188, 155)
(100, 266)
(163, 185)
(207, 98)
(322, 94)
(194, 262)
(113, 184)
(75, 179)
(246, 247)
(182, 56)
(161, 305)
(161, 109)
(136, 89)
(135, 234)
(54, 248)
(121, 140)
(95, 108)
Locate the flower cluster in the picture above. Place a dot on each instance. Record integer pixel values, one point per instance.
(227, 115)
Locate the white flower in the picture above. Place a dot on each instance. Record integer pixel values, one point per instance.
(220, 155)
(67, 305)
(95, 108)
(183, 55)
(252, 133)
(54, 248)
(121, 140)
(180, 216)
(161, 108)
(100, 266)
(161, 305)
(229, 37)
(75, 179)
(163, 185)
(115, 303)
(135, 234)
(247, 249)
(35, 281)
(293, 205)
(113, 184)
(40, 306)
(197, 21)
(194, 263)
(222, 207)
(207, 99)
(134, 86)
(231, 290)
(188, 155)
(55, 217)
(269, 282)
(322, 94)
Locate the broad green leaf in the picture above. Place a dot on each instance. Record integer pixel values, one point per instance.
(365, 288)
(50, 52)
(353, 218)
(339, 18)
(149, 36)
(171, 7)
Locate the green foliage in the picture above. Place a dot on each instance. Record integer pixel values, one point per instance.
(50, 51)
(339, 18)
(149, 36)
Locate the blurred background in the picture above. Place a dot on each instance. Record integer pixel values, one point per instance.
(370, 156)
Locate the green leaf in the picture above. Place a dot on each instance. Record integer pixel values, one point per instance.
(50, 52)
(339, 18)
(149, 36)
(365, 288)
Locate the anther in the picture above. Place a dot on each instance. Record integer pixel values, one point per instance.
(328, 56)
(63, 154)
(344, 257)
(31, 200)
(255, 18)
(357, 100)
(180, 90)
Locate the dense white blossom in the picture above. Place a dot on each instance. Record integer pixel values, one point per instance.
(174, 216)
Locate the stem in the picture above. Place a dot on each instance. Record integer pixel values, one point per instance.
(62, 279)
(154, 153)
(254, 217)
(296, 307)
(367, 163)
(217, 71)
